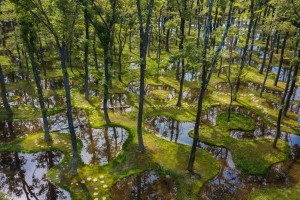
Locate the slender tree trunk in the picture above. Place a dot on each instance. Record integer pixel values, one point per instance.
(3, 95)
(144, 34)
(95, 52)
(19, 56)
(63, 56)
(279, 118)
(253, 40)
(181, 84)
(206, 76)
(86, 56)
(167, 40)
(281, 57)
(198, 23)
(105, 85)
(41, 55)
(244, 55)
(278, 42)
(202, 90)
(182, 24)
(269, 65)
(229, 81)
(265, 55)
(291, 89)
(130, 43)
(36, 72)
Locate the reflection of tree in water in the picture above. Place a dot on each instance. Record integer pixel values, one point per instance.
(23, 176)
(148, 185)
(10, 130)
(102, 145)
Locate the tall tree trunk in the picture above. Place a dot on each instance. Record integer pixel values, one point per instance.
(30, 45)
(269, 65)
(206, 76)
(106, 84)
(3, 95)
(253, 40)
(261, 70)
(41, 55)
(281, 57)
(63, 56)
(291, 89)
(95, 52)
(167, 46)
(244, 55)
(86, 56)
(144, 34)
(279, 118)
(182, 24)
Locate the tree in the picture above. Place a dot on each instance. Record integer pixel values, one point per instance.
(207, 70)
(30, 39)
(3, 95)
(61, 27)
(182, 9)
(144, 34)
(244, 54)
(105, 32)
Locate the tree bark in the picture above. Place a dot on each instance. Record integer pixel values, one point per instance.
(63, 56)
(279, 118)
(3, 95)
(291, 89)
(86, 56)
(144, 34)
(269, 65)
(182, 24)
(281, 57)
(244, 55)
(29, 42)
(265, 55)
(206, 76)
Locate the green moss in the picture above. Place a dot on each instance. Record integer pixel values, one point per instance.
(160, 94)
(237, 122)
(3, 196)
(5, 60)
(251, 156)
(272, 193)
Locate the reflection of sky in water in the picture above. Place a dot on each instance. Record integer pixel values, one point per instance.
(23, 176)
(101, 145)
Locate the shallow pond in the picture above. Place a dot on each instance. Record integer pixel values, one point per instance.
(133, 87)
(10, 130)
(23, 176)
(118, 102)
(230, 182)
(53, 83)
(251, 86)
(147, 186)
(101, 145)
(192, 76)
